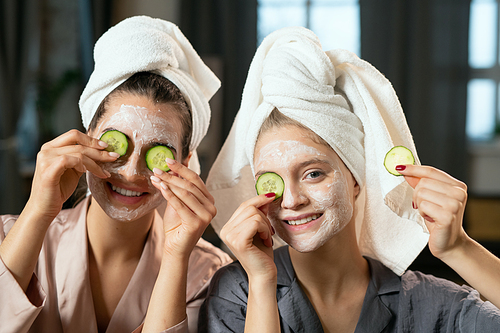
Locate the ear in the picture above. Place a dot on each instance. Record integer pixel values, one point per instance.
(356, 189)
(185, 162)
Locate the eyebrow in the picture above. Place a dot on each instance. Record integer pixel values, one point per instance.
(301, 165)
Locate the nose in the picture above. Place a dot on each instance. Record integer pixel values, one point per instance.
(293, 196)
(132, 170)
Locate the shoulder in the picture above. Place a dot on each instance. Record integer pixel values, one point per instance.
(230, 282)
(419, 283)
(204, 261)
(430, 300)
(208, 255)
(7, 223)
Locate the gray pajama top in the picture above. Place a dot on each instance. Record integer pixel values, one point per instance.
(413, 302)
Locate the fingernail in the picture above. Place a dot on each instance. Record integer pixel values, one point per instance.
(272, 242)
(413, 205)
(272, 229)
(169, 161)
(270, 194)
(400, 167)
(102, 144)
(155, 179)
(113, 154)
(164, 186)
(158, 172)
(106, 172)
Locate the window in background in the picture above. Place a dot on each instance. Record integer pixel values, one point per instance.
(483, 113)
(335, 22)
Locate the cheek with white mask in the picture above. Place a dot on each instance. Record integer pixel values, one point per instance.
(330, 199)
(142, 126)
(333, 200)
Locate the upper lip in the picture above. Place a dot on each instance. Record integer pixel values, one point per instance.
(299, 217)
(131, 188)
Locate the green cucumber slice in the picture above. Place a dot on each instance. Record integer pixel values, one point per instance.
(270, 182)
(116, 140)
(398, 155)
(155, 158)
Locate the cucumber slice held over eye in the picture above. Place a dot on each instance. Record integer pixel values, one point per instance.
(270, 182)
(398, 155)
(116, 140)
(155, 158)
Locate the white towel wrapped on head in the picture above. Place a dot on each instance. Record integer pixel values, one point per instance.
(349, 104)
(145, 44)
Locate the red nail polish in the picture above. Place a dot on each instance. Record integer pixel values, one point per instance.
(272, 229)
(413, 205)
(400, 167)
(270, 194)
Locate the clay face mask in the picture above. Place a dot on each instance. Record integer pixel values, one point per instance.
(143, 127)
(318, 191)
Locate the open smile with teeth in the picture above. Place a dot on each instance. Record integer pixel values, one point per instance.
(304, 220)
(127, 193)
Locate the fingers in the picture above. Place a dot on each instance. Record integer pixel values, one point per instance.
(86, 153)
(420, 171)
(192, 177)
(186, 196)
(187, 206)
(242, 236)
(248, 221)
(75, 137)
(438, 196)
(260, 201)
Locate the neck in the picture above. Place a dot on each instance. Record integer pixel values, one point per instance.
(111, 240)
(334, 269)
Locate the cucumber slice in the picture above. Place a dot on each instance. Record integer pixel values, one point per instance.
(398, 155)
(116, 140)
(155, 158)
(270, 182)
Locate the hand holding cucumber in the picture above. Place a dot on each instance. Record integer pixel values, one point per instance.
(60, 164)
(248, 234)
(441, 200)
(190, 207)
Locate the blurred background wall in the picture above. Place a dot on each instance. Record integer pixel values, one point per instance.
(433, 51)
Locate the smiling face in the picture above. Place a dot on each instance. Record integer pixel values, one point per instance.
(128, 194)
(319, 190)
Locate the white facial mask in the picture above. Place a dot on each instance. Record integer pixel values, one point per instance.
(143, 127)
(329, 197)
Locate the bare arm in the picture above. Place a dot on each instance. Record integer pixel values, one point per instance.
(441, 200)
(249, 236)
(189, 211)
(60, 163)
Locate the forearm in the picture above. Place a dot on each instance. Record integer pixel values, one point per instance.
(21, 247)
(478, 267)
(262, 308)
(167, 306)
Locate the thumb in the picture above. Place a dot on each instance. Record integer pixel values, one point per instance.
(413, 181)
(265, 207)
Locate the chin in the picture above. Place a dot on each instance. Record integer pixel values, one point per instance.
(308, 245)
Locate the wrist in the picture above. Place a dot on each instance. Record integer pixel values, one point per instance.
(36, 218)
(459, 251)
(262, 282)
(175, 261)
